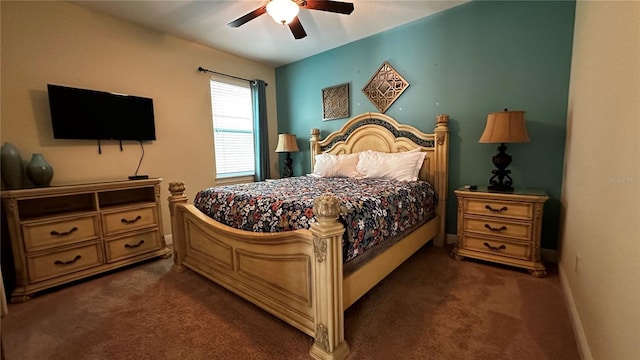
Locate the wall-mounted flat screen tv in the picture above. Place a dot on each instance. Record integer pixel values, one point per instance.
(100, 115)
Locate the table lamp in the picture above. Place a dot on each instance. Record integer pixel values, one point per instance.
(287, 144)
(503, 127)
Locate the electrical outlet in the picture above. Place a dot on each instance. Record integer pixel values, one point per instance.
(576, 267)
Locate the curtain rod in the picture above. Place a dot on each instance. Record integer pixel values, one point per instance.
(201, 69)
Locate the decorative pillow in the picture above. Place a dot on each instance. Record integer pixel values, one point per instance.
(329, 165)
(402, 166)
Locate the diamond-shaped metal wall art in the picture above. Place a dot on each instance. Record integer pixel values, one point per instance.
(385, 87)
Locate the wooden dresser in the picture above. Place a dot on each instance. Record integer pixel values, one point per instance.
(501, 227)
(64, 233)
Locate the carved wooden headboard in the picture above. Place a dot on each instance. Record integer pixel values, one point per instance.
(379, 132)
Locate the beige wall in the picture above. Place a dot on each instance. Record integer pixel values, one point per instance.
(601, 195)
(62, 43)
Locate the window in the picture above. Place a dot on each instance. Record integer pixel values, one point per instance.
(232, 114)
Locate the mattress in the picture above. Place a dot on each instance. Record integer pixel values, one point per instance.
(374, 210)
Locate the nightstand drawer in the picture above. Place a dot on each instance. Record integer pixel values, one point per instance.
(44, 235)
(498, 227)
(498, 247)
(507, 209)
(54, 264)
(127, 220)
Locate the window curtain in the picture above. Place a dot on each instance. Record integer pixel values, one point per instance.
(261, 134)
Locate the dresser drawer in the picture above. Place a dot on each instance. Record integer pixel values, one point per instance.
(498, 227)
(44, 235)
(128, 246)
(497, 247)
(507, 209)
(130, 219)
(58, 263)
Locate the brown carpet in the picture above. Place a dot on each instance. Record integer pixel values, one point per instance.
(432, 307)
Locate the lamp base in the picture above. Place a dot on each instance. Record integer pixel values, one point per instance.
(288, 171)
(501, 181)
(500, 188)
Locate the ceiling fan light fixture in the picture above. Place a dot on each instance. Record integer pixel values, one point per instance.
(282, 11)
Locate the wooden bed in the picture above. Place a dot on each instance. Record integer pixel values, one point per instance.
(298, 275)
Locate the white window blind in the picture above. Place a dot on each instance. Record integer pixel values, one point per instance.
(233, 129)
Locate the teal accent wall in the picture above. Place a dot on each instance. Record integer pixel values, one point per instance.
(468, 61)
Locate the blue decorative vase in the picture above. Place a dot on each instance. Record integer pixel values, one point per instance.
(39, 171)
(11, 166)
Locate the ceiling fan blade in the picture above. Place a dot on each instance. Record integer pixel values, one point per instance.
(331, 6)
(248, 17)
(296, 28)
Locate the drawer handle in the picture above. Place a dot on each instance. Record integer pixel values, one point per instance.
(125, 221)
(501, 228)
(127, 246)
(55, 233)
(495, 248)
(60, 262)
(504, 208)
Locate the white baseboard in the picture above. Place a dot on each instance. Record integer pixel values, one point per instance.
(451, 239)
(576, 323)
(168, 239)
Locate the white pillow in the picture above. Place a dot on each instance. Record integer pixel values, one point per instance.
(329, 165)
(402, 166)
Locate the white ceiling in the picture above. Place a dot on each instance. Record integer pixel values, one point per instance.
(262, 39)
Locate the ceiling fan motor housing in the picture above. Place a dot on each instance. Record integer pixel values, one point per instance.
(285, 12)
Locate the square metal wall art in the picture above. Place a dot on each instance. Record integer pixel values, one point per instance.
(335, 102)
(385, 87)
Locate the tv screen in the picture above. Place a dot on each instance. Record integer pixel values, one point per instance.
(99, 115)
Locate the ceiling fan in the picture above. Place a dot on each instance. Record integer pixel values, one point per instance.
(285, 12)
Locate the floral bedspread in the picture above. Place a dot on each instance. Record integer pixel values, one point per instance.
(376, 209)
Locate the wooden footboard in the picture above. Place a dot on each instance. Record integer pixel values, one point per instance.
(296, 275)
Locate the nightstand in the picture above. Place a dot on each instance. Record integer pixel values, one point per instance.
(501, 227)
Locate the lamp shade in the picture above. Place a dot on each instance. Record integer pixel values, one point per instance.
(505, 127)
(282, 11)
(287, 143)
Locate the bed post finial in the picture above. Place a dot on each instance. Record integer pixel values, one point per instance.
(314, 147)
(442, 128)
(326, 209)
(176, 188)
